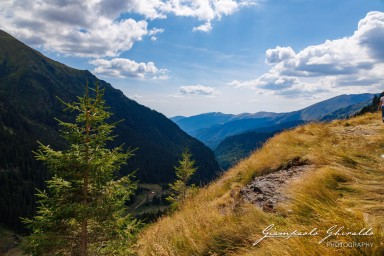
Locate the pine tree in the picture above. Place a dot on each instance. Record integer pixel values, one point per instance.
(83, 210)
(184, 172)
(373, 107)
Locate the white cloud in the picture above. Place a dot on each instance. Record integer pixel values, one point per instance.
(155, 31)
(197, 90)
(268, 81)
(119, 67)
(279, 54)
(370, 34)
(246, 3)
(95, 28)
(350, 64)
(205, 10)
(80, 28)
(206, 27)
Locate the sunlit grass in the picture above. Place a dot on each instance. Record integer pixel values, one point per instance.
(345, 188)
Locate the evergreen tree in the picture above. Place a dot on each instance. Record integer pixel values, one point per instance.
(373, 107)
(184, 172)
(83, 210)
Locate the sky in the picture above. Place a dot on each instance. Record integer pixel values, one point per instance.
(187, 57)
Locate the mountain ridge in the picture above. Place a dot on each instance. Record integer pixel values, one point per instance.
(212, 133)
(236, 147)
(29, 86)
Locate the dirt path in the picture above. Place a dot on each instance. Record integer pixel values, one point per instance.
(266, 191)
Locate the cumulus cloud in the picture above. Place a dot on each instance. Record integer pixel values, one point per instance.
(203, 10)
(80, 28)
(269, 81)
(98, 28)
(206, 27)
(279, 54)
(370, 34)
(122, 68)
(352, 63)
(197, 90)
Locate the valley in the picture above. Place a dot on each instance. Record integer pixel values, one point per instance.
(234, 137)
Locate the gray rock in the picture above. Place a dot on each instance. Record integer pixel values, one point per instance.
(268, 190)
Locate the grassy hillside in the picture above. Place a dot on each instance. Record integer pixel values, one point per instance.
(343, 187)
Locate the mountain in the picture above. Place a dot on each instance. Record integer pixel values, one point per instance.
(347, 112)
(313, 177)
(234, 137)
(212, 136)
(29, 86)
(191, 125)
(221, 125)
(372, 107)
(236, 147)
(326, 107)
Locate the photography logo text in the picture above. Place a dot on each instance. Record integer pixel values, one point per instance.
(325, 235)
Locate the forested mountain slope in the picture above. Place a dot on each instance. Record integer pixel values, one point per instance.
(29, 85)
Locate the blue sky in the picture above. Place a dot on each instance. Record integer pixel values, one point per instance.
(185, 57)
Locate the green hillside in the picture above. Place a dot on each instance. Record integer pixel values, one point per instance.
(237, 147)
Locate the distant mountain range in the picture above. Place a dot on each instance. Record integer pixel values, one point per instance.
(233, 137)
(222, 218)
(29, 85)
(236, 147)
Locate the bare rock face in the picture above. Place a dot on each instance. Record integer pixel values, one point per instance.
(266, 191)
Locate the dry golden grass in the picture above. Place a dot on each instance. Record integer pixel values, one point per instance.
(346, 189)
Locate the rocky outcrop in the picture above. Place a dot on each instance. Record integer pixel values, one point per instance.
(268, 190)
